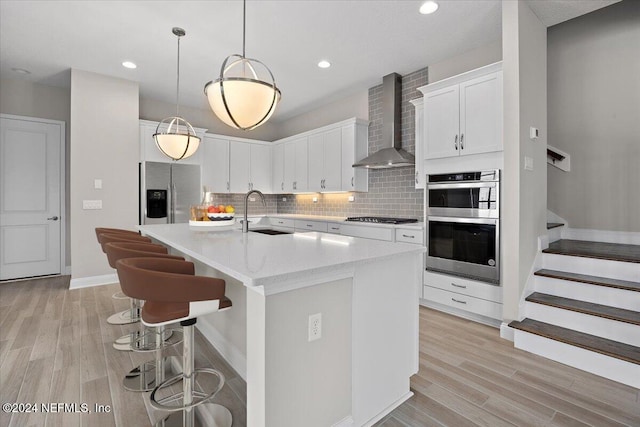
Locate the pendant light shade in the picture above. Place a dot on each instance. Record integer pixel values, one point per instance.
(245, 95)
(175, 136)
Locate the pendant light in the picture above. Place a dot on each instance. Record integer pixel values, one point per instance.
(174, 136)
(241, 97)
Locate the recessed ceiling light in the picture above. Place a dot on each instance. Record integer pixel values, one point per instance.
(324, 64)
(20, 71)
(428, 7)
(129, 64)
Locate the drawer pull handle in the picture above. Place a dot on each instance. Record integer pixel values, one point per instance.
(458, 301)
(410, 237)
(309, 225)
(459, 286)
(335, 228)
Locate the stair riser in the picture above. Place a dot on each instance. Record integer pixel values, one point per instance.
(593, 325)
(613, 297)
(554, 234)
(592, 266)
(596, 363)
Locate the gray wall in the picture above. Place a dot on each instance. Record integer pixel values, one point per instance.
(524, 201)
(594, 115)
(156, 111)
(104, 112)
(23, 98)
(391, 191)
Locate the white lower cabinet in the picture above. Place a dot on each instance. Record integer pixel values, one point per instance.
(367, 232)
(304, 225)
(334, 228)
(463, 294)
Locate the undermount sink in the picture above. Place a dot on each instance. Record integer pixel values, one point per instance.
(270, 232)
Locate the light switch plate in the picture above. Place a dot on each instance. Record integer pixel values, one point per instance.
(91, 204)
(528, 163)
(97, 184)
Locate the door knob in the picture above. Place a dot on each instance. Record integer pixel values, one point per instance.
(53, 218)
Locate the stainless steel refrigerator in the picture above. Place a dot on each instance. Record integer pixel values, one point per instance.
(158, 195)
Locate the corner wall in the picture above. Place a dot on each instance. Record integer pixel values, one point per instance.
(524, 198)
(104, 145)
(594, 111)
(23, 98)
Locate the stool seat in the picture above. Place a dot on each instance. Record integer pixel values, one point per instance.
(173, 293)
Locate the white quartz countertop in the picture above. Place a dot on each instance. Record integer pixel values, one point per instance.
(258, 259)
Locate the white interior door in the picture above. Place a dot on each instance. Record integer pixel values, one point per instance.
(30, 202)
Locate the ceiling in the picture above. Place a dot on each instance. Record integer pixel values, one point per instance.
(364, 40)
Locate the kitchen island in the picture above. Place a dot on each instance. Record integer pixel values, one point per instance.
(367, 294)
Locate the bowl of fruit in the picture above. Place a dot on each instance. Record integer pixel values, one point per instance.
(220, 212)
(212, 215)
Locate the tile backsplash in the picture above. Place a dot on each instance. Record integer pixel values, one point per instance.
(391, 192)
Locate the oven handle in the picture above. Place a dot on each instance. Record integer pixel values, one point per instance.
(447, 186)
(490, 221)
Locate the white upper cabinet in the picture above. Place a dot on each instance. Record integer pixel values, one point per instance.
(277, 168)
(249, 167)
(419, 177)
(215, 164)
(463, 114)
(354, 147)
(321, 160)
(239, 167)
(325, 161)
(149, 152)
(260, 170)
(295, 165)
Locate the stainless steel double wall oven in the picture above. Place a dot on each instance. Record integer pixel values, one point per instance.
(463, 224)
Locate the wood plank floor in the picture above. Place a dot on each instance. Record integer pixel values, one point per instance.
(55, 346)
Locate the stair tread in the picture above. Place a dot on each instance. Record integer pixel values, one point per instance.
(593, 280)
(605, 311)
(604, 346)
(551, 225)
(601, 250)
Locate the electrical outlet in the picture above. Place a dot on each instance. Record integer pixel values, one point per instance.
(315, 326)
(351, 198)
(91, 204)
(315, 200)
(284, 199)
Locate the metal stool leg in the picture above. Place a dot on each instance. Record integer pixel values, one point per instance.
(125, 317)
(190, 397)
(147, 376)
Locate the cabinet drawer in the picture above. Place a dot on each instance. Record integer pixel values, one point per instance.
(463, 302)
(310, 225)
(464, 286)
(282, 222)
(333, 228)
(367, 232)
(409, 235)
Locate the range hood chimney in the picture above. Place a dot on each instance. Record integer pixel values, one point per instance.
(392, 156)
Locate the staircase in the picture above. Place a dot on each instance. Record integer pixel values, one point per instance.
(585, 309)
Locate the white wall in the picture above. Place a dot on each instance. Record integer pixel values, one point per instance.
(525, 104)
(594, 115)
(354, 105)
(470, 60)
(156, 111)
(104, 145)
(24, 98)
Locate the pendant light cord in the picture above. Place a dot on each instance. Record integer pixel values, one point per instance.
(244, 25)
(178, 82)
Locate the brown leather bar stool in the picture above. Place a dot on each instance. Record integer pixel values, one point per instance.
(172, 293)
(104, 230)
(132, 315)
(142, 378)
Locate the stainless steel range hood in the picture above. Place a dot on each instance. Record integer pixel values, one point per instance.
(393, 156)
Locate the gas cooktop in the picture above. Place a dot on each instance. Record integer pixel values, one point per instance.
(381, 220)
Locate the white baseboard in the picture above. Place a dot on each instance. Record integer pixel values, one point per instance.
(495, 323)
(506, 332)
(345, 422)
(227, 350)
(388, 409)
(622, 237)
(88, 282)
